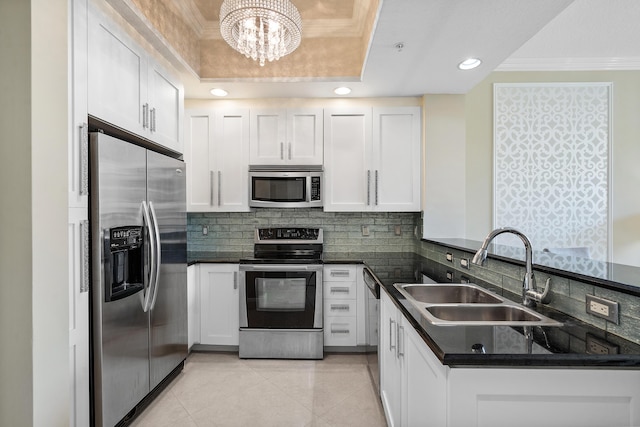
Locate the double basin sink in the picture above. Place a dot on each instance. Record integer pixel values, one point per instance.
(469, 304)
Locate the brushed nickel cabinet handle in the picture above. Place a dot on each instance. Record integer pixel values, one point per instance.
(211, 187)
(219, 187)
(84, 159)
(84, 249)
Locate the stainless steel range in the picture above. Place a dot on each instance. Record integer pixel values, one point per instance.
(281, 295)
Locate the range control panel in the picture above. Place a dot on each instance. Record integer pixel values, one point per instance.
(296, 233)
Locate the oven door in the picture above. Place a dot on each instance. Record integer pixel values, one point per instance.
(281, 296)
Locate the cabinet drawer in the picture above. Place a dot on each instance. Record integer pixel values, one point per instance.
(339, 331)
(339, 273)
(337, 307)
(339, 290)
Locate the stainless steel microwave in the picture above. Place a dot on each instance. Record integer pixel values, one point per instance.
(285, 186)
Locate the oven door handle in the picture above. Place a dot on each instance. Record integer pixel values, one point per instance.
(280, 267)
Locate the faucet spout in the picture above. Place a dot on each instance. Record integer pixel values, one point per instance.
(530, 294)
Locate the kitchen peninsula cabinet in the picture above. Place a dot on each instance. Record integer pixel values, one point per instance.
(286, 137)
(372, 159)
(128, 88)
(219, 304)
(217, 155)
(418, 389)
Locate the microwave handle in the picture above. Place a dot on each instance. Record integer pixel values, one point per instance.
(282, 151)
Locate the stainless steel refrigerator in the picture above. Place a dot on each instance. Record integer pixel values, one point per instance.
(138, 276)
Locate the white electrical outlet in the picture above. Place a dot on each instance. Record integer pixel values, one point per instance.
(604, 308)
(365, 230)
(596, 307)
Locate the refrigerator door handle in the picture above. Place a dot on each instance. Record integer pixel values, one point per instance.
(158, 257)
(148, 284)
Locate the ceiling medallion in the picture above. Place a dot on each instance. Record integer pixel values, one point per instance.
(261, 29)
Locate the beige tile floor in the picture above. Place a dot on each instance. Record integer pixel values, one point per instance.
(219, 389)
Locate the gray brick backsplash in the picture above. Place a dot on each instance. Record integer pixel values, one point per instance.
(342, 230)
(568, 295)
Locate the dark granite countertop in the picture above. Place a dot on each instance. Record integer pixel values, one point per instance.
(551, 347)
(505, 346)
(216, 257)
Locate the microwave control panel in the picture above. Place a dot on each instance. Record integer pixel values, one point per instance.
(315, 188)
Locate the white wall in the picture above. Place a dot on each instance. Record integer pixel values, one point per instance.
(16, 387)
(625, 173)
(34, 357)
(444, 166)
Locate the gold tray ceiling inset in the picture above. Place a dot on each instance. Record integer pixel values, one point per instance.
(335, 37)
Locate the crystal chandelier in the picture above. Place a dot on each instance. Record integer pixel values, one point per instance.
(261, 29)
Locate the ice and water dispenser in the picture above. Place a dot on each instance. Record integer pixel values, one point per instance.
(126, 253)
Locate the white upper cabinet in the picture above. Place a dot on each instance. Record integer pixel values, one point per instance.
(217, 157)
(372, 159)
(396, 159)
(347, 170)
(128, 89)
(166, 106)
(286, 137)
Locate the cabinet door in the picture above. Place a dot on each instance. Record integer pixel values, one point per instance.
(390, 368)
(424, 392)
(219, 304)
(217, 156)
(268, 134)
(117, 75)
(231, 161)
(79, 364)
(347, 170)
(193, 305)
(304, 143)
(198, 154)
(166, 103)
(78, 220)
(396, 159)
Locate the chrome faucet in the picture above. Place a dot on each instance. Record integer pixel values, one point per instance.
(530, 294)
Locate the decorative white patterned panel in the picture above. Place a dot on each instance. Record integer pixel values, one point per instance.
(551, 164)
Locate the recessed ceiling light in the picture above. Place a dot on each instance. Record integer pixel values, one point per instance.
(343, 90)
(219, 92)
(469, 64)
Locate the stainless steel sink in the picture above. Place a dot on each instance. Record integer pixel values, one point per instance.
(450, 294)
(481, 313)
(470, 305)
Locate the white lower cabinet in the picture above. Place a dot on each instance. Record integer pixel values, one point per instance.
(219, 304)
(193, 305)
(343, 309)
(418, 390)
(390, 362)
(412, 380)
